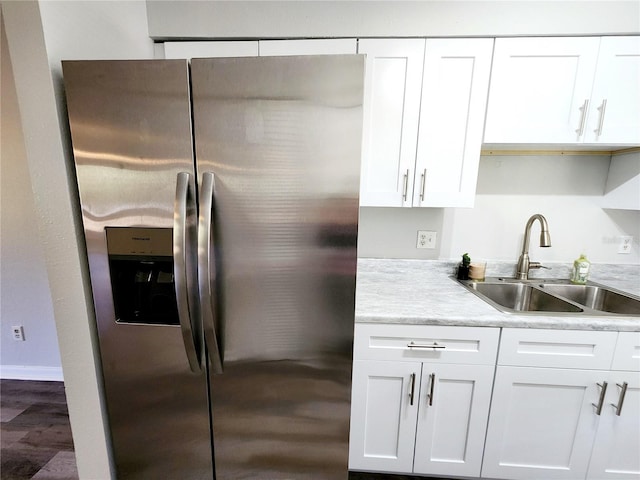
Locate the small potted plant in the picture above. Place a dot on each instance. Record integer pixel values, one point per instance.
(463, 268)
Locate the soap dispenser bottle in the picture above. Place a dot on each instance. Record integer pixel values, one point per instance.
(581, 267)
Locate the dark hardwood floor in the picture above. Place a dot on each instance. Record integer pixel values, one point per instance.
(35, 436)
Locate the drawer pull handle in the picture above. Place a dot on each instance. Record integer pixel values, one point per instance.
(426, 346)
(423, 182)
(412, 389)
(432, 382)
(603, 391)
(623, 392)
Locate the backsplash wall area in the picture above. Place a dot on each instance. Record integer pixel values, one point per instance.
(566, 188)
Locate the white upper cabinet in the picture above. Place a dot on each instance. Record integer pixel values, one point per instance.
(210, 49)
(565, 91)
(614, 117)
(263, 48)
(454, 97)
(539, 88)
(391, 111)
(423, 120)
(324, 46)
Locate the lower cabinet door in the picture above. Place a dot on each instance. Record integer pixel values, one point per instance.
(384, 408)
(616, 453)
(452, 419)
(543, 423)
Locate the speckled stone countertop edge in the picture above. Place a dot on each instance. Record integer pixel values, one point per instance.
(424, 292)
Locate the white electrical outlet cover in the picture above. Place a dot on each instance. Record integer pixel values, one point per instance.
(625, 244)
(18, 332)
(426, 239)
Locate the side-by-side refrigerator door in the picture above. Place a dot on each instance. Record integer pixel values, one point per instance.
(278, 158)
(131, 131)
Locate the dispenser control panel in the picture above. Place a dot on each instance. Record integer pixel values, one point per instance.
(142, 279)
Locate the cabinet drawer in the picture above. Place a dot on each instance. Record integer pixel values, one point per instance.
(472, 345)
(627, 354)
(557, 348)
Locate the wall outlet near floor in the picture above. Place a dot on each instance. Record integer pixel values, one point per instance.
(625, 244)
(426, 239)
(18, 333)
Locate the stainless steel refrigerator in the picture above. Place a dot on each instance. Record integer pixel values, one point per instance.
(220, 206)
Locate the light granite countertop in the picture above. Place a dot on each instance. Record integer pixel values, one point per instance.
(425, 292)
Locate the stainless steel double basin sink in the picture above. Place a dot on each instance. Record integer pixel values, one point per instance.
(553, 297)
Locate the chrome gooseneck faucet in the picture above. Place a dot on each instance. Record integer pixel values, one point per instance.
(522, 272)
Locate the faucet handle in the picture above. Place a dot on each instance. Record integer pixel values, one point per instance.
(538, 265)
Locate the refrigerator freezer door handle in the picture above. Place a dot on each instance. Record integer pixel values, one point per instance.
(207, 269)
(180, 270)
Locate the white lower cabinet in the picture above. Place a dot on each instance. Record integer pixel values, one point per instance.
(551, 419)
(564, 404)
(542, 423)
(422, 415)
(616, 452)
(383, 415)
(560, 424)
(452, 419)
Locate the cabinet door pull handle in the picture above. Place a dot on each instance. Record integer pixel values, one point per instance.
(603, 391)
(602, 108)
(422, 184)
(432, 382)
(406, 186)
(623, 392)
(412, 389)
(426, 346)
(583, 118)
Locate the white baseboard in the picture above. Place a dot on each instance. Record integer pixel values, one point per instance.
(31, 372)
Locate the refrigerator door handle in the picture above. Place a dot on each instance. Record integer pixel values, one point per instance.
(180, 270)
(207, 270)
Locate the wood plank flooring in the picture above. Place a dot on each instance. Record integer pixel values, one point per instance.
(35, 436)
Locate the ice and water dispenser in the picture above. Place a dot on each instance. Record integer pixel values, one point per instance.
(142, 280)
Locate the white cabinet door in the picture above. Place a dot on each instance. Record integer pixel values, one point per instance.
(210, 49)
(540, 89)
(391, 110)
(452, 419)
(542, 423)
(384, 408)
(614, 116)
(323, 46)
(616, 453)
(454, 97)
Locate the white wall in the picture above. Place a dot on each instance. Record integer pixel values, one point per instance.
(393, 232)
(282, 19)
(39, 36)
(25, 298)
(567, 189)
